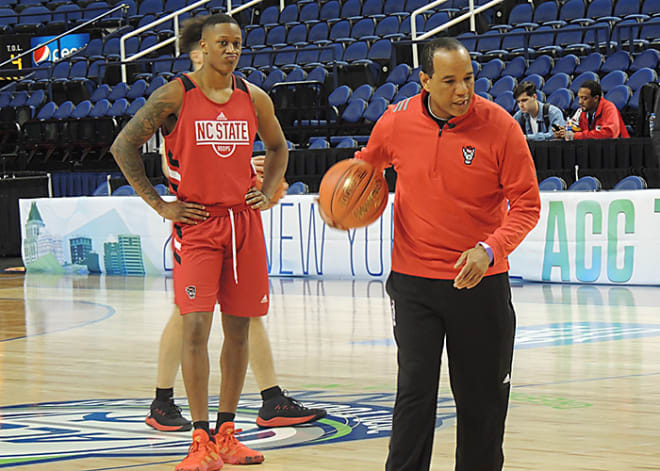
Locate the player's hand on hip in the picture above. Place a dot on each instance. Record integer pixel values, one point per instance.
(256, 199)
(475, 262)
(178, 211)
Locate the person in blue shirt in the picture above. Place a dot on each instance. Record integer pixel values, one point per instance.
(539, 121)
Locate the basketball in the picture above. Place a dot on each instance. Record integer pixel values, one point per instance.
(353, 193)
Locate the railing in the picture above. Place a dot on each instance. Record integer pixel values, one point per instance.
(413, 25)
(174, 39)
(58, 37)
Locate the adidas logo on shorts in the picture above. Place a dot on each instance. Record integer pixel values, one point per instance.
(191, 291)
(264, 300)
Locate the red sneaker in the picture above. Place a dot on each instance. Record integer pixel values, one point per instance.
(202, 455)
(231, 450)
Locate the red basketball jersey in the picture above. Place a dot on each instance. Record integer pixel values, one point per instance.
(210, 149)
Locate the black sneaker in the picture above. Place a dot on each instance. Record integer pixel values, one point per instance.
(284, 411)
(166, 417)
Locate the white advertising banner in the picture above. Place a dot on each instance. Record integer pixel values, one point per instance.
(604, 237)
(599, 237)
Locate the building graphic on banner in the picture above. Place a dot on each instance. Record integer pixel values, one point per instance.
(38, 242)
(80, 249)
(124, 257)
(45, 252)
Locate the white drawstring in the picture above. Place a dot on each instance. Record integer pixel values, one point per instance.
(233, 244)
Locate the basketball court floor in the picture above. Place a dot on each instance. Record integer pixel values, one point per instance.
(78, 366)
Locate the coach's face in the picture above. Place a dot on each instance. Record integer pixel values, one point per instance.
(451, 87)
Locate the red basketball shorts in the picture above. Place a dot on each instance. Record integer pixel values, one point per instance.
(223, 260)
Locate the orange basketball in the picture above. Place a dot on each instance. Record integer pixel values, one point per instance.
(353, 193)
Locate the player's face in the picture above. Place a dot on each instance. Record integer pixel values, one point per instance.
(221, 46)
(451, 87)
(587, 102)
(527, 104)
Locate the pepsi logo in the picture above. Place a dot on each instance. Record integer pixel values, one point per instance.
(41, 54)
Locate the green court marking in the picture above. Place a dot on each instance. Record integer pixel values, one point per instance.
(32, 458)
(550, 401)
(341, 430)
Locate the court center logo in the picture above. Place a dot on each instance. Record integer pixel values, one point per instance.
(56, 431)
(222, 134)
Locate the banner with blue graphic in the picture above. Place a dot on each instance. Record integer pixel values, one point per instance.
(63, 47)
(604, 237)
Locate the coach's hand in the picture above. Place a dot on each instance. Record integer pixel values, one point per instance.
(475, 263)
(258, 200)
(178, 211)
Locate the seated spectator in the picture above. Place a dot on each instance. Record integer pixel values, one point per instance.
(536, 119)
(597, 117)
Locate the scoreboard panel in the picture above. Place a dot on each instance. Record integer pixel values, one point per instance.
(12, 46)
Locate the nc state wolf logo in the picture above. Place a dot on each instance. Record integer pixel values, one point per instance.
(191, 291)
(468, 155)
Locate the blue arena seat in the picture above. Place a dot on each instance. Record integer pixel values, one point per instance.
(347, 143)
(399, 74)
(160, 189)
(298, 188)
(363, 92)
(503, 85)
(64, 110)
(631, 182)
(619, 95)
(492, 69)
(135, 106)
(566, 64)
(536, 79)
(587, 183)
(375, 109)
(354, 111)
(619, 60)
(515, 67)
(646, 59)
(611, 80)
(561, 98)
(552, 184)
(339, 96)
(506, 101)
(386, 91)
(641, 77)
(319, 143)
(309, 13)
(546, 11)
(482, 85)
(406, 91)
(577, 81)
(124, 190)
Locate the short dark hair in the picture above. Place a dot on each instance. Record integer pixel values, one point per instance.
(524, 87)
(191, 33)
(446, 44)
(593, 87)
(218, 19)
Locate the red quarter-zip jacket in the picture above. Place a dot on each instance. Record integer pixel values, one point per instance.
(607, 123)
(453, 185)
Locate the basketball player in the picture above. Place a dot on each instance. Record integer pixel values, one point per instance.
(210, 119)
(459, 159)
(277, 409)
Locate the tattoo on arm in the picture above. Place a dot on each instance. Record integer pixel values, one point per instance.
(126, 148)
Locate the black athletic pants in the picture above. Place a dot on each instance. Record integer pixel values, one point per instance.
(479, 326)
